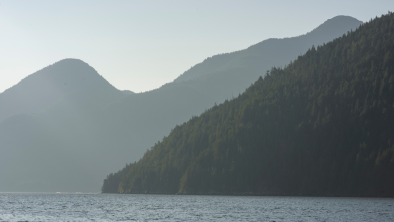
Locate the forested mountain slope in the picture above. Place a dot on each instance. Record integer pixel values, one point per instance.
(64, 128)
(145, 118)
(271, 52)
(323, 125)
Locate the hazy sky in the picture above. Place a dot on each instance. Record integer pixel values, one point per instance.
(140, 45)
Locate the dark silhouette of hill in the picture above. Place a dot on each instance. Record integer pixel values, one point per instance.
(322, 126)
(64, 128)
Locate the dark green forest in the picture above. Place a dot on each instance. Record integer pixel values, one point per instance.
(322, 126)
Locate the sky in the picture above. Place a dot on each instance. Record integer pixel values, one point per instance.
(141, 45)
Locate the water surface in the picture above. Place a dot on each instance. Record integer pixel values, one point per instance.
(112, 207)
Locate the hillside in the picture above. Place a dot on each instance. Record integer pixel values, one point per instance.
(45, 87)
(321, 126)
(47, 124)
(271, 52)
(65, 127)
(145, 118)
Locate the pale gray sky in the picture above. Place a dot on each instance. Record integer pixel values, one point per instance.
(141, 45)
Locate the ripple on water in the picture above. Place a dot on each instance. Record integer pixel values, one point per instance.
(110, 207)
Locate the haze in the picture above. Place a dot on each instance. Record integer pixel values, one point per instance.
(141, 45)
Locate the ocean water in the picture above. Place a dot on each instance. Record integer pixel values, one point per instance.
(112, 207)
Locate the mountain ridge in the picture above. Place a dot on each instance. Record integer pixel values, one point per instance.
(321, 126)
(227, 59)
(42, 88)
(83, 135)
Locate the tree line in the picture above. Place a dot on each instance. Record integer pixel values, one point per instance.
(323, 126)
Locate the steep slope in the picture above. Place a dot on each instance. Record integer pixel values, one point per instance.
(43, 88)
(147, 117)
(80, 128)
(321, 126)
(48, 123)
(271, 52)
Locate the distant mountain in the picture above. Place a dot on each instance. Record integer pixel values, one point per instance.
(47, 122)
(224, 76)
(65, 127)
(322, 126)
(158, 111)
(260, 57)
(42, 89)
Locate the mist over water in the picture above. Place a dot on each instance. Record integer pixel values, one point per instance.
(111, 207)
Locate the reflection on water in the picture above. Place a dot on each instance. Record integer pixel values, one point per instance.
(112, 207)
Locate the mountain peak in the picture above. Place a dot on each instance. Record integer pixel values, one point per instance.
(272, 52)
(339, 23)
(341, 19)
(47, 85)
(64, 75)
(63, 71)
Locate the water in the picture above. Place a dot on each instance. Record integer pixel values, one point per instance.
(112, 207)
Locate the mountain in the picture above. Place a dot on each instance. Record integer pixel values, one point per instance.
(321, 126)
(261, 57)
(66, 78)
(65, 127)
(47, 122)
(156, 112)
